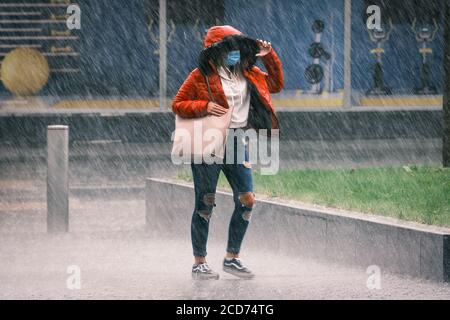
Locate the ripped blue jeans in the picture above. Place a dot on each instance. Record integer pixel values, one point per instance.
(239, 176)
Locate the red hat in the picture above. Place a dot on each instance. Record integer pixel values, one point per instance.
(217, 33)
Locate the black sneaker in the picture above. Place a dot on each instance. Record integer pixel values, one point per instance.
(203, 272)
(235, 267)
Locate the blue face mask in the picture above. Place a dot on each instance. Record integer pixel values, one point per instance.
(233, 58)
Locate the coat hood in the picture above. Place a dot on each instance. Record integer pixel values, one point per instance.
(221, 39)
(218, 33)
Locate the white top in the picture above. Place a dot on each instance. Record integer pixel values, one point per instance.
(236, 91)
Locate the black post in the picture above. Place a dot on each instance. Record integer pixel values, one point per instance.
(446, 140)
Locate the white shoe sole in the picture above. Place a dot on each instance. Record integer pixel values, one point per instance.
(196, 276)
(238, 274)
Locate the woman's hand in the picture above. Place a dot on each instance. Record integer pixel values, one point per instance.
(264, 47)
(215, 109)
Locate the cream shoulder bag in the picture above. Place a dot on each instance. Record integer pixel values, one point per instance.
(200, 139)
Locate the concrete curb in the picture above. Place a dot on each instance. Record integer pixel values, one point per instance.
(331, 235)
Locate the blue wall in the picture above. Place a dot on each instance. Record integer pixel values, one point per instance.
(288, 25)
(117, 56)
(402, 59)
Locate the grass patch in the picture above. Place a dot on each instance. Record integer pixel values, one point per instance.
(420, 194)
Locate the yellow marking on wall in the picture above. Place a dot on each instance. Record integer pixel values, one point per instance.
(20, 206)
(402, 101)
(308, 102)
(107, 104)
(17, 184)
(300, 101)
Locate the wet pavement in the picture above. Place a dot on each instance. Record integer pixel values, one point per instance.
(119, 258)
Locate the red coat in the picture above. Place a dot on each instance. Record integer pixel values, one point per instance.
(193, 97)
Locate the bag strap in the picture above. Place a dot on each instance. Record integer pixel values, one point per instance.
(209, 89)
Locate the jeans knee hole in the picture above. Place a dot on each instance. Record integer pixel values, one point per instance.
(247, 199)
(205, 214)
(209, 199)
(247, 215)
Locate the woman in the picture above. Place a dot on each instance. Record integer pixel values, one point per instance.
(228, 78)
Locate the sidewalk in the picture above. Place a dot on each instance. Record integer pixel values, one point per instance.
(119, 259)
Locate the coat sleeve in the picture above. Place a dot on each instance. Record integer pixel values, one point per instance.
(185, 103)
(274, 67)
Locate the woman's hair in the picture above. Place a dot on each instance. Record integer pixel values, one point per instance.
(217, 52)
